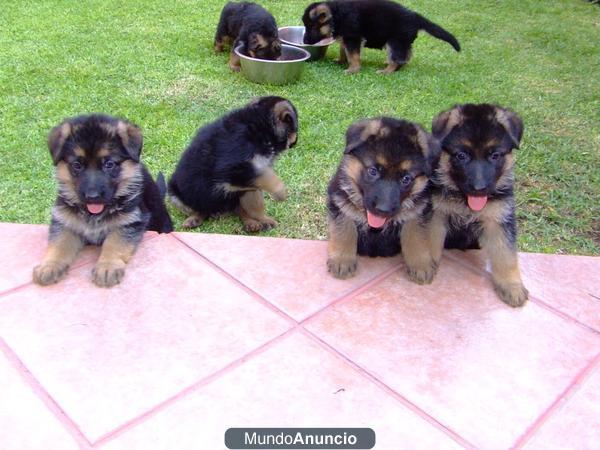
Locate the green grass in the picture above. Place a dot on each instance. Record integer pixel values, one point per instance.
(152, 61)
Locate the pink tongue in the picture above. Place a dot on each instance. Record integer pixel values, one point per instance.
(375, 221)
(476, 203)
(95, 208)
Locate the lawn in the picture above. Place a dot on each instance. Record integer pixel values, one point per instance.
(152, 62)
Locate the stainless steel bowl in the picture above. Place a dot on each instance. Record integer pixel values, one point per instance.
(285, 70)
(295, 36)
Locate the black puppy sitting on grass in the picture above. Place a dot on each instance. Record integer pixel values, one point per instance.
(229, 164)
(252, 26)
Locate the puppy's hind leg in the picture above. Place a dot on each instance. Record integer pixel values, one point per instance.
(352, 48)
(194, 220)
(252, 212)
(398, 55)
(342, 59)
(234, 59)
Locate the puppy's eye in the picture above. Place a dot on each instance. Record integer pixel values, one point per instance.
(372, 171)
(109, 164)
(461, 156)
(76, 166)
(495, 156)
(406, 180)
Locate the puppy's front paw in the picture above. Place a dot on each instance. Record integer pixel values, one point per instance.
(193, 221)
(108, 274)
(49, 273)
(234, 68)
(513, 294)
(263, 224)
(280, 195)
(422, 274)
(351, 70)
(342, 267)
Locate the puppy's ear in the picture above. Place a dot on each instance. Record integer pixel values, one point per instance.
(131, 137)
(286, 118)
(365, 131)
(56, 141)
(431, 149)
(321, 13)
(511, 123)
(445, 122)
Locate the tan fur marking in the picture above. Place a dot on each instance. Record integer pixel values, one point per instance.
(504, 263)
(406, 165)
(381, 160)
(320, 10)
(270, 182)
(423, 141)
(325, 31)
(342, 247)
(416, 250)
(130, 177)
(114, 256)
(61, 253)
(353, 61)
(353, 168)
(252, 212)
(234, 61)
(390, 68)
(282, 108)
(436, 229)
(446, 121)
(443, 171)
(342, 59)
(79, 152)
(103, 153)
(418, 185)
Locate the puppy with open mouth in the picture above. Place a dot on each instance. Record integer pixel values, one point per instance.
(380, 189)
(372, 23)
(105, 197)
(473, 192)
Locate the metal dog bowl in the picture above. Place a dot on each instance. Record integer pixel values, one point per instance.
(295, 36)
(285, 70)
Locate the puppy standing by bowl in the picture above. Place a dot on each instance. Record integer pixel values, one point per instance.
(473, 198)
(252, 26)
(380, 191)
(105, 197)
(374, 23)
(229, 164)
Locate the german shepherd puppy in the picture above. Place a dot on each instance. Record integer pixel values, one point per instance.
(230, 162)
(105, 197)
(376, 23)
(252, 26)
(473, 200)
(379, 192)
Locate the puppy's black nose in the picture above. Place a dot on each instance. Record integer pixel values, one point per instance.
(93, 197)
(384, 210)
(479, 186)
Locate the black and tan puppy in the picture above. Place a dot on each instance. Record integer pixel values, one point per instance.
(252, 26)
(379, 190)
(374, 23)
(105, 197)
(229, 164)
(473, 200)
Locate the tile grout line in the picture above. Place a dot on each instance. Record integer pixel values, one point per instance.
(533, 298)
(159, 407)
(563, 398)
(353, 293)
(388, 390)
(238, 283)
(40, 392)
(76, 266)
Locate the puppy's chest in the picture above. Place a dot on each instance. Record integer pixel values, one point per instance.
(94, 230)
(260, 163)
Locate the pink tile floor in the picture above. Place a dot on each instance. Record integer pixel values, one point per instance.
(208, 332)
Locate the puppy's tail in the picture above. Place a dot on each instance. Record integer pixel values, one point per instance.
(438, 32)
(162, 185)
